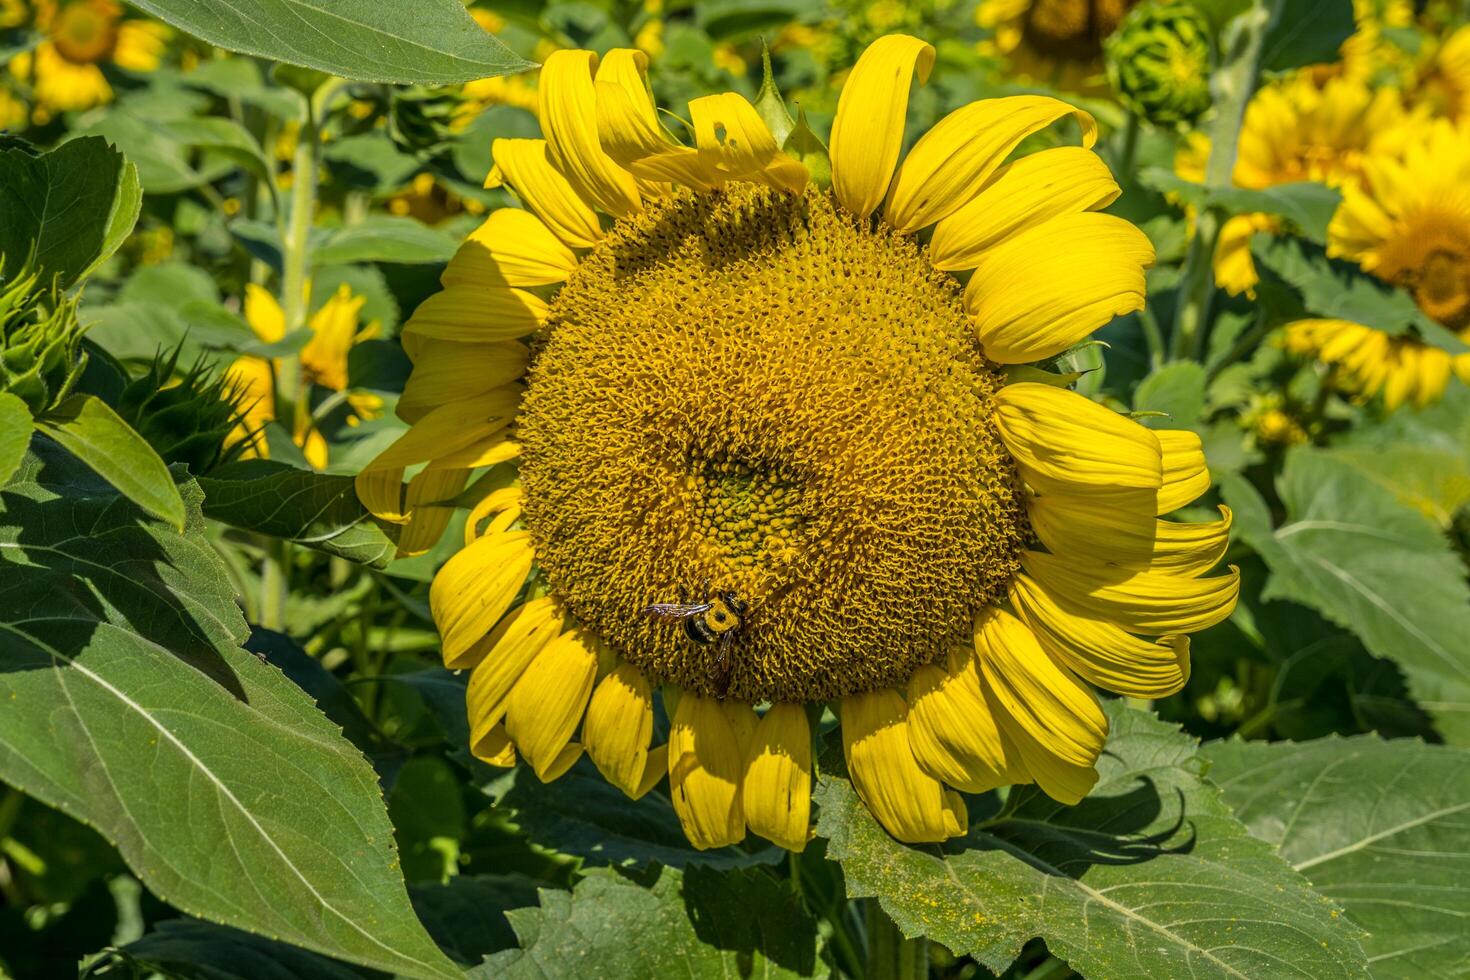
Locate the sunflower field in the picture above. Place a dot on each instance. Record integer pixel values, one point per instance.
(735, 488)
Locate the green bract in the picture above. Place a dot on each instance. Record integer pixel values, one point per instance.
(40, 341)
(1159, 62)
(185, 419)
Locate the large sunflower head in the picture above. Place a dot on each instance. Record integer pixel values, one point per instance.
(767, 456)
(1407, 222)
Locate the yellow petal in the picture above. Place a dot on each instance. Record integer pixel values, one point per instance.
(381, 492)
(333, 332)
(474, 589)
(445, 371)
(264, 314)
(426, 522)
(568, 113)
(449, 428)
(1096, 528)
(481, 313)
(953, 735)
(526, 167)
(1063, 441)
(510, 248)
(1020, 196)
(499, 501)
(1186, 475)
(508, 652)
(734, 144)
(777, 791)
(494, 747)
(641, 147)
(706, 765)
(618, 728)
(867, 132)
(950, 163)
(1040, 292)
(910, 804)
(547, 703)
(1100, 652)
(1140, 602)
(1054, 720)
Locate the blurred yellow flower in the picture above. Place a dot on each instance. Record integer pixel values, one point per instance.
(322, 362)
(1054, 41)
(80, 36)
(1297, 130)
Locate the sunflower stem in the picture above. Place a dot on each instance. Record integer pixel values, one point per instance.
(1231, 86)
(891, 955)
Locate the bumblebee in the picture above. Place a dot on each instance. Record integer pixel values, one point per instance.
(715, 619)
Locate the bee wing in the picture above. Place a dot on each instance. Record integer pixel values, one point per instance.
(676, 610)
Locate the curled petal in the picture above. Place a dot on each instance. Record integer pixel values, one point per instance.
(504, 656)
(1140, 602)
(548, 701)
(1064, 441)
(474, 589)
(867, 132)
(911, 805)
(618, 728)
(568, 113)
(952, 732)
(706, 767)
(777, 792)
(526, 166)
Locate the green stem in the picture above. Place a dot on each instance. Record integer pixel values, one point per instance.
(275, 585)
(1231, 87)
(892, 956)
(1126, 155)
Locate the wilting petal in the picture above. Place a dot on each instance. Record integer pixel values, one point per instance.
(547, 703)
(526, 167)
(706, 766)
(617, 731)
(734, 144)
(1064, 441)
(910, 804)
(952, 733)
(1140, 602)
(569, 120)
(777, 792)
(950, 163)
(1021, 196)
(474, 589)
(867, 133)
(1054, 720)
(1100, 652)
(1037, 294)
(1097, 528)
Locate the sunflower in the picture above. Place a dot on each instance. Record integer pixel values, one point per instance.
(1059, 42)
(81, 36)
(323, 362)
(775, 406)
(1443, 81)
(1296, 130)
(1408, 223)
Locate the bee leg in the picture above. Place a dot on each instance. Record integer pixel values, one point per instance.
(720, 670)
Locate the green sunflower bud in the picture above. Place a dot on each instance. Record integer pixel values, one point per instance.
(185, 418)
(1159, 62)
(420, 118)
(40, 341)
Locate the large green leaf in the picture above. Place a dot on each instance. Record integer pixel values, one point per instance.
(1306, 205)
(187, 949)
(698, 923)
(15, 433)
(1149, 876)
(318, 510)
(428, 41)
(130, 706)
(1383, 828)
(1374, 566)
(385, 238)
(75, 205)
(95, 434)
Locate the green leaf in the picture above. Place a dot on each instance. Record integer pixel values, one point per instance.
(584, 815)
(698, 923)
(15, 433)
(808, 148)
(92, 432)
(1373, 566)
(1309, 206)
(768, 102)
(1383, 828)
(1306, 32)
(466, 916)
(433, 42)
(187, 949)
(428, 817)
(1150, 875)
(1339, 290)
(1422, 456)
(130, 706)
(1177, 390)
(385, 238)
(318, 510)
(75, 205)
